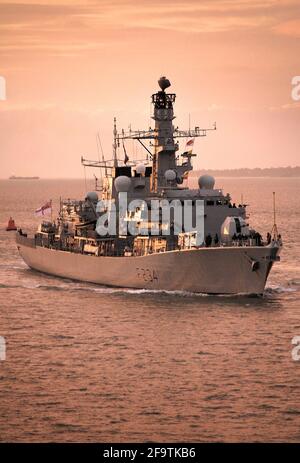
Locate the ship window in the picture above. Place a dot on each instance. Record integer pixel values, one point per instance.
(148, 171)
(238, 225)
(123, 170)
(219, 202)
(209, 202)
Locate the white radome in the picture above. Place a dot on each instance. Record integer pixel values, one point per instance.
(92, 196)
(122, 183)
(206, 182)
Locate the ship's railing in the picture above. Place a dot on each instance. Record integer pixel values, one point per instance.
(24, 240)
(112, 248)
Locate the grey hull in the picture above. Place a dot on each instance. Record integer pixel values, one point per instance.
(220, 270)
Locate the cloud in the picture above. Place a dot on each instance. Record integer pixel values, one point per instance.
(38, 108)
(215, 107)
(289, 28)
(285, 107)
(291, 106)
(38, 25)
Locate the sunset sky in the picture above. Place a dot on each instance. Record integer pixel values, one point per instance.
(71, 66)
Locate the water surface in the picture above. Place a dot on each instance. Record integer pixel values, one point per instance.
(89, 363)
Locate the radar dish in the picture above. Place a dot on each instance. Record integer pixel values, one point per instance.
(164, 83)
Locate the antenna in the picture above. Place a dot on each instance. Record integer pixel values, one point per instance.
(85, 184)
(274, 231)
(97, 143)
(115, 143)
(51, 210)
(274, 207)
(103, 160)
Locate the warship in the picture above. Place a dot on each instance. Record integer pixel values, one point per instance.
(100, 240)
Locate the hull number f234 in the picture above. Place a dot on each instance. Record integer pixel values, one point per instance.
(147, 274)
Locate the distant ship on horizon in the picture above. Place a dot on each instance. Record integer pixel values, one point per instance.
(16, 177)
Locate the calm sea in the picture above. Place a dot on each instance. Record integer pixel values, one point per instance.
(89, 363)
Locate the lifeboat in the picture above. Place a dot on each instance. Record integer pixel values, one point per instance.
(11, 226)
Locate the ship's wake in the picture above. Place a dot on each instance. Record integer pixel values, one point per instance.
(271, 290)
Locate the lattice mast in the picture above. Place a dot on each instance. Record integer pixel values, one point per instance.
(162, 138)
(164, 145)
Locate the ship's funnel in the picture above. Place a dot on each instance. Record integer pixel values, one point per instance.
(164, 83)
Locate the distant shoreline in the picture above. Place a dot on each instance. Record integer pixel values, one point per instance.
(17, 177)
(279, 172)
(271, 172)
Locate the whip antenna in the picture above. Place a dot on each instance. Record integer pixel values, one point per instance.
(274, 231)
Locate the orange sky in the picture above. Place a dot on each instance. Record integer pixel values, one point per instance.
(70, 66)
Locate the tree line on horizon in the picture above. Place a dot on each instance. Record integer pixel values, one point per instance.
(254, 172)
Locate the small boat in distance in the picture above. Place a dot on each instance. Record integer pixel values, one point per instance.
(14, 177)
(11, 226)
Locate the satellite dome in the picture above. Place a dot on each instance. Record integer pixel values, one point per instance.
(170, 175)
(92, 196)
(122, 183)
(164, 83)
(140, 169)
(206, 182)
